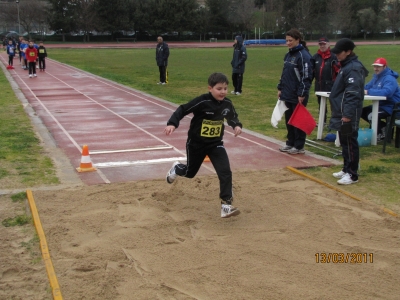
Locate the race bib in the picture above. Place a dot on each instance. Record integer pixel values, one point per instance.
(211, 129)
(32, 54)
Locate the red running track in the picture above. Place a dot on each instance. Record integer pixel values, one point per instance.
(124, 127)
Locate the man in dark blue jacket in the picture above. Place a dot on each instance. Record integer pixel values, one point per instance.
(162, 54)
(383, 83)
(238, 65)
(346, 99)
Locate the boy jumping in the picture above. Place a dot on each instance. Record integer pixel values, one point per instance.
(205, 137)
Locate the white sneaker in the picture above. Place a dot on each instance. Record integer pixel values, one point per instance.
(228, 211)
(171, 175)
(346, 179)
(238, 94)
(285, 149)
(383, 130)
(159, 82)
(233, 93)
(338, 174)
(163, 83)
(34, 75)
(296, 151)
(30, 76)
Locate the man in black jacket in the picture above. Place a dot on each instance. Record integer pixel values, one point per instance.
(346, 99)
(162, 54)
(238, 65)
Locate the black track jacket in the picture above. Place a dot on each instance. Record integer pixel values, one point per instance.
(207, 125)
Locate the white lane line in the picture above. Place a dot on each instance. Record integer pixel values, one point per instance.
(131, 150)
(116, 86)
(60, 126)
(138, 162)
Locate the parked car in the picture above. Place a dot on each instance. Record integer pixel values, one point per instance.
(12, 34)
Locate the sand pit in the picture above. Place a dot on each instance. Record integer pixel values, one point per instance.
(151, 240)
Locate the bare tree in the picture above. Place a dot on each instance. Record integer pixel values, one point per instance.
(304, 16)
(243, 14)
(392, 13)
(341, 13)
(272, 15)
(30, 14)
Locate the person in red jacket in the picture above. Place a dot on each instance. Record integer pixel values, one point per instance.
(31, 55)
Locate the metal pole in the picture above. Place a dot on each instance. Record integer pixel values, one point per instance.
(19, 23)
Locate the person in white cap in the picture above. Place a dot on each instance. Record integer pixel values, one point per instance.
(325, 68)
(383, 83)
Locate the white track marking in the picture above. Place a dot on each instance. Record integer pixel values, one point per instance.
(124, 89)
(131, 150)
(138, 162)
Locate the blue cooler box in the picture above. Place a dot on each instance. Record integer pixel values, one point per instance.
(364, 137)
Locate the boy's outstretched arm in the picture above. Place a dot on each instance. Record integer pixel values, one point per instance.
(169, 129)
(237, 130)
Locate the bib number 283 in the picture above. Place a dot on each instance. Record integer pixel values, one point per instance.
(211, 128)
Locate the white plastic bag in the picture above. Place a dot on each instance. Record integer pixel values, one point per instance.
(337, 141)
(278, 112)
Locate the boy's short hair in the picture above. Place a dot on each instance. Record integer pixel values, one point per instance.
(216, 78)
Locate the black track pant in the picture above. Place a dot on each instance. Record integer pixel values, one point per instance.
(350, 153)
(295, 136)
(10, 60)
(237, 81)
(163, 73)
(32, 67)
(218, 157)
(42, 63)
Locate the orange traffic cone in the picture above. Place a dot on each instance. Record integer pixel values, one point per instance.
(86, 163)
(206, 158)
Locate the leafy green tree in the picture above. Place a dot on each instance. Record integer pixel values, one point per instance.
(61, 16)
(201, 22)
(113, 15)
(368, 20)
(174, 15)
(219, 15)
(375, 5)
(142, 15)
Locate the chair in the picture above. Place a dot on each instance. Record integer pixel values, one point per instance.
(392, 126)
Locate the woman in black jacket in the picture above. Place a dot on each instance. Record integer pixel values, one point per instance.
(294, 87)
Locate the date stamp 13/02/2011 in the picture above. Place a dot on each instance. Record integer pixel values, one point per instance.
(344, 258)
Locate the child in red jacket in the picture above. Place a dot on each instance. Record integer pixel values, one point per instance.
(31, 55)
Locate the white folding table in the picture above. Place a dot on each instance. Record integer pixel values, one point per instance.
(375, 109)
